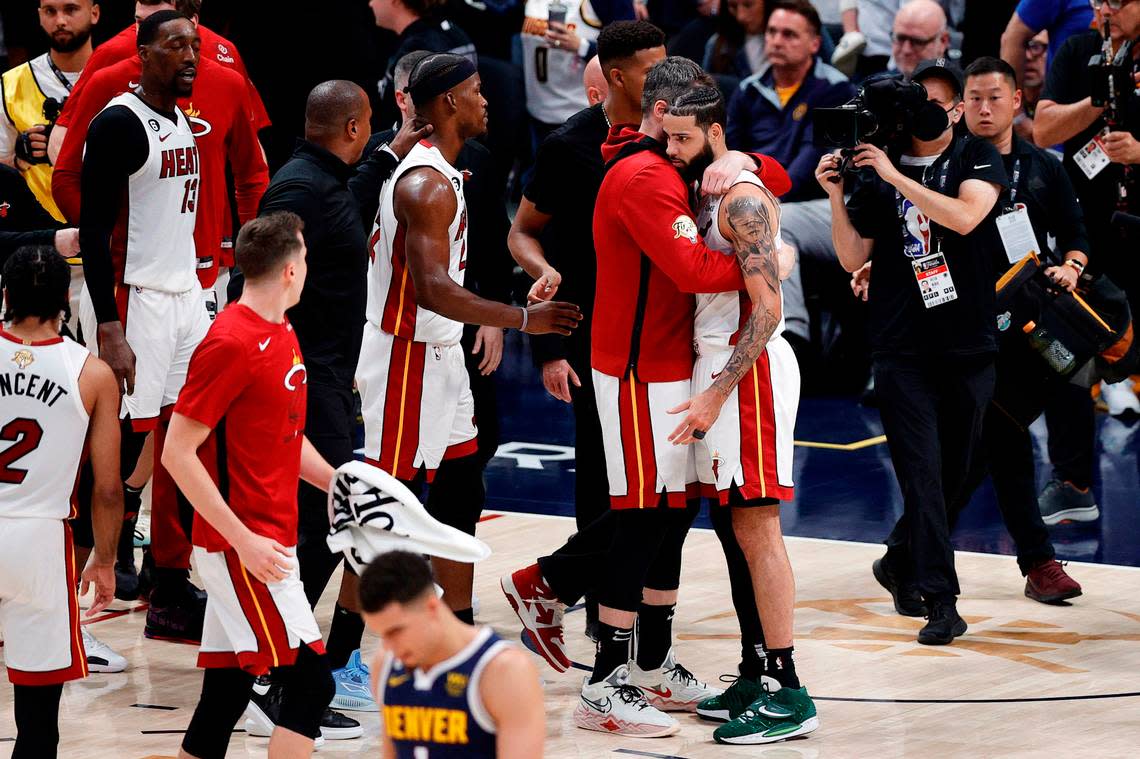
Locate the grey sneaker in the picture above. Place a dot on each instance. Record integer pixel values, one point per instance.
(1062, 502)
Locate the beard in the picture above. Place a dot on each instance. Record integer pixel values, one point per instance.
(70, 43)
(695, 169)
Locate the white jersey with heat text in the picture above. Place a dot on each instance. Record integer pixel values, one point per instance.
(719, 316)
(43, 425)
(392, 305)
(162, 199)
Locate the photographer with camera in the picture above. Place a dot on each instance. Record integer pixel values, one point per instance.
(1089, 105)
(33, 93)
(923, 211)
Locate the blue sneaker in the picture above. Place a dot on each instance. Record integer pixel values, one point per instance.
(353, 687)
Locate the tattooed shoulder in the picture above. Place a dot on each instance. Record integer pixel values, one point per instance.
(751, 217)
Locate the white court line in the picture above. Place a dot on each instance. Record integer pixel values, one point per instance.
(844, 542)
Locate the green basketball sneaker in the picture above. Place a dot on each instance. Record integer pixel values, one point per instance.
(757, 724)
(738, 697)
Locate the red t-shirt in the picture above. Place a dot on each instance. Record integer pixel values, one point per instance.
(215, 48)
(219, 112)
(247, 383)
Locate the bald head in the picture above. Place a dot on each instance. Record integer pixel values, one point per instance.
(337, 115)
(919, 33)
(595, 82)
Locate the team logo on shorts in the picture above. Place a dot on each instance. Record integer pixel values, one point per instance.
(456, 684)
(4, 209)
(435, 350)
(685, 227)
(716, 462)
(23, 358)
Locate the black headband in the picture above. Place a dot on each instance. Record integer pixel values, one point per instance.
(436, 84)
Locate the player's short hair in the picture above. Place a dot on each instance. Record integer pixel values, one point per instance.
(621, 40)
(36, 279)
(264, 244)
(330, 105)
(669, 78)
(394, 577)
(987, 64)
(422, 7)
(801, 7)
(704, 103)
(402, 71)
(149, 26)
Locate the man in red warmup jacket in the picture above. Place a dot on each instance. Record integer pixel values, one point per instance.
(651, 260)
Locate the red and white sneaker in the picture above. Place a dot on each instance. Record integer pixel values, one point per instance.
(671, 687)
(615, 706)
(540, 612)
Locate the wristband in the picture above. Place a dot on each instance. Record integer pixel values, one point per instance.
(1076, 265)
(526, 318)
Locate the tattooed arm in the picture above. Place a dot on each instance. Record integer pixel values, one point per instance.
(750, 216)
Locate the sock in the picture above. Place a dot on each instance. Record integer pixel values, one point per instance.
(612, 650)
(781, 666)
(654, 635)
(132, 500)
(752, 661)
(344, 636)
(466, 616)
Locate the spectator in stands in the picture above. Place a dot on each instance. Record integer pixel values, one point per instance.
(555, 53)
(865, 24)
(770, 113)
(737, 48)
(418, 28)
(920, 32)
(1061, 18)
(1032, 82)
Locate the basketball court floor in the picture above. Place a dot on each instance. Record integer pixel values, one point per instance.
(1026, 680)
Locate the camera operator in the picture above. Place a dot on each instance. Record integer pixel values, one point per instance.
(924, 215)
(1067, 114)
(34, 92)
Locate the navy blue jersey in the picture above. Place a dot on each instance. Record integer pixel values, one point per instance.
(438, 714)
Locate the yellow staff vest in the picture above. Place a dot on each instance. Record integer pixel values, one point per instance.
(24, 104)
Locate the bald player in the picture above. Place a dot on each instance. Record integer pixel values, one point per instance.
(594, 80)
(414, 389)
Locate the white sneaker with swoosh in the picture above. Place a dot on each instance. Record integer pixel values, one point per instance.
(615, 706)
(671, 687)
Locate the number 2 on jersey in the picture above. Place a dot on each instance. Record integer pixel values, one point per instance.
(25, 435)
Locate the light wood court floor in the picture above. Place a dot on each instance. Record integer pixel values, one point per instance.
(1027, 680)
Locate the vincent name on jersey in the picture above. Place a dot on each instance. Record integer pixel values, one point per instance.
(179, 162)
(429, 724)
(32, 386)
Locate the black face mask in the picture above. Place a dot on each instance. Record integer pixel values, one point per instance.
(930, 121)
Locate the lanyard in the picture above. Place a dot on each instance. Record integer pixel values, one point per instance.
(1015, 175)
(59, 74)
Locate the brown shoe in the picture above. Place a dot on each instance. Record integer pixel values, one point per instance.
(1049, 583)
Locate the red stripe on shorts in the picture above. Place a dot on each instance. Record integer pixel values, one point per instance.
(758, 434)
(637, 447)
(260, 610)
(400, 438)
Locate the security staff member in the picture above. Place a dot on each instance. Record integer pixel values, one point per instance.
(1065, 114)
(924, 216)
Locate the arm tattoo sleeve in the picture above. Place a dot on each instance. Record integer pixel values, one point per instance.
(751, 220)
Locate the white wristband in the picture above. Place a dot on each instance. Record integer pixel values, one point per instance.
(526, 317)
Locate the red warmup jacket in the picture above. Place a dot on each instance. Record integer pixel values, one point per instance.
(651, 259)
(220, 115)
(124, 45)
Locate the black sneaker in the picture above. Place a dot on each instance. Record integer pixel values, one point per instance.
(126, 574)
(176, 613)
(1064, 502)
(265, 708)
(908, 601)
(943, 624)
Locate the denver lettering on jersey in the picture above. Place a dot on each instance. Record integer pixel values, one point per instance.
(425, 723)
(179, 162)
(31, 386)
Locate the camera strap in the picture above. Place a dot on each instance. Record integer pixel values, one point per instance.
(62, 77)
(1014, 176)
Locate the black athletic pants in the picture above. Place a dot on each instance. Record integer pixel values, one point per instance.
(329, 419)
(932, 411)
(591, 484)
(620, 553)
(1023, 384)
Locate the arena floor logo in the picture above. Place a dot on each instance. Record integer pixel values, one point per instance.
(868, 630)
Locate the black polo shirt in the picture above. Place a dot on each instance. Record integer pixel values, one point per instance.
(900, 324)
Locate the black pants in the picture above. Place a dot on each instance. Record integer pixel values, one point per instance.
(1023, 385)
(329, 418)
(591, 485)
(932, 411)
(485, 398)
(1071, 419)
(620, 553)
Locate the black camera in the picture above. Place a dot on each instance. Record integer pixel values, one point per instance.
(885, 111)
(51, 110)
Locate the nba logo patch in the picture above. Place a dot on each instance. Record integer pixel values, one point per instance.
(918, 233)
(435, 351)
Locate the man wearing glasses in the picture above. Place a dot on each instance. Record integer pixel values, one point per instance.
(1062, 19)
(918, 32)
(1104, 176)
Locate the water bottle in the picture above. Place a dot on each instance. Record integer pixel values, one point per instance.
(1056, 355)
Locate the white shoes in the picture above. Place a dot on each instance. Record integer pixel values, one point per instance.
(847, 52)
(1120, 398)
(615, 706)
(671, 687)
(100, 656)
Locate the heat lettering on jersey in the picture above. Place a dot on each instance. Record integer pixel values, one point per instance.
(425, 723)
(31, 386)
(179, 162)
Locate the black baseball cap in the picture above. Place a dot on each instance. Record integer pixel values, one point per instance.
(943, 68)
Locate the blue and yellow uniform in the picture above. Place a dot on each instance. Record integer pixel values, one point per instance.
(438, 714)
